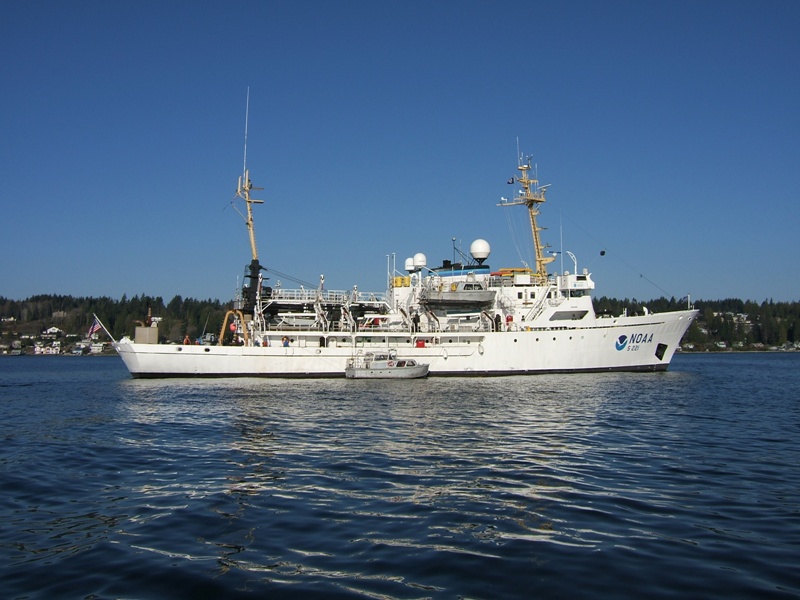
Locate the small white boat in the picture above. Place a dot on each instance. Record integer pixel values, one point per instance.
(384, 366)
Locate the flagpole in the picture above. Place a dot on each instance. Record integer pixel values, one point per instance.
(108, 333)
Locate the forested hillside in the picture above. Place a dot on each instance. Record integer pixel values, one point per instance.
(74, 315)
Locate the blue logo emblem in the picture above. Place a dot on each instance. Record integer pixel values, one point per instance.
(621, 342)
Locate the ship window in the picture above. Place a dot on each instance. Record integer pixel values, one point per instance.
(519, 295)
(569, 315)
(533, 295)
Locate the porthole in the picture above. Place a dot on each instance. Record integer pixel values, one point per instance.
(207, 350)
(179, 349)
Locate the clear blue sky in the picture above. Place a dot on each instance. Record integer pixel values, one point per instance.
(669, 132)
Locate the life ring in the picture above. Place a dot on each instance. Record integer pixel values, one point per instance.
(390, 363)
(453, 287)
(509, 318)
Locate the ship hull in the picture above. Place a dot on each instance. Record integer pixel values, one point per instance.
(638, 343)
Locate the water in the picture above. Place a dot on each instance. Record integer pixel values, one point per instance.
(668, 485)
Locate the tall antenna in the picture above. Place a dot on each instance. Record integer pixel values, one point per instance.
(561, 235)
(246, 119)
(243, 192)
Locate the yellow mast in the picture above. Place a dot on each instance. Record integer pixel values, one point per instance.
(532, 196)
(243, 192)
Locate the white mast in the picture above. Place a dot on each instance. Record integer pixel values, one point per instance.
(244, 187)
(246, 119)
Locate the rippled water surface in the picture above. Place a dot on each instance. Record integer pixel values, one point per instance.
(682, 484)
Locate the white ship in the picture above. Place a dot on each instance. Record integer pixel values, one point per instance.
(461, 319)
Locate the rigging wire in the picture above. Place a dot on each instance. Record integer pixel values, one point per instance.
(514, 224)
(290, 278)
(605, 250)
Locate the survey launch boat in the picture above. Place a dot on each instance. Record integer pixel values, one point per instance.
(458, 319)
(384, 365)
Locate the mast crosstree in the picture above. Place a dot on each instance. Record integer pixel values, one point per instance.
(532, 195)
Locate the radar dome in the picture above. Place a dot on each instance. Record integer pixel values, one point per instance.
(410, 265)
(420, 260)
(480, 250)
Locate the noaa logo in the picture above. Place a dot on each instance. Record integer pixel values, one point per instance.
(633, 342)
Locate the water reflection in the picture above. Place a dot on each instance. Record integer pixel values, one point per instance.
(471, 462)
(440, 487)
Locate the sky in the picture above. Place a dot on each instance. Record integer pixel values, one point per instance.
(669, 133)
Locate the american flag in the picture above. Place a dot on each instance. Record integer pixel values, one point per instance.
(96, 326)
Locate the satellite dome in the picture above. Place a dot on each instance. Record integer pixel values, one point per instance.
(420, 260)
(480, 250)
(410, 265)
